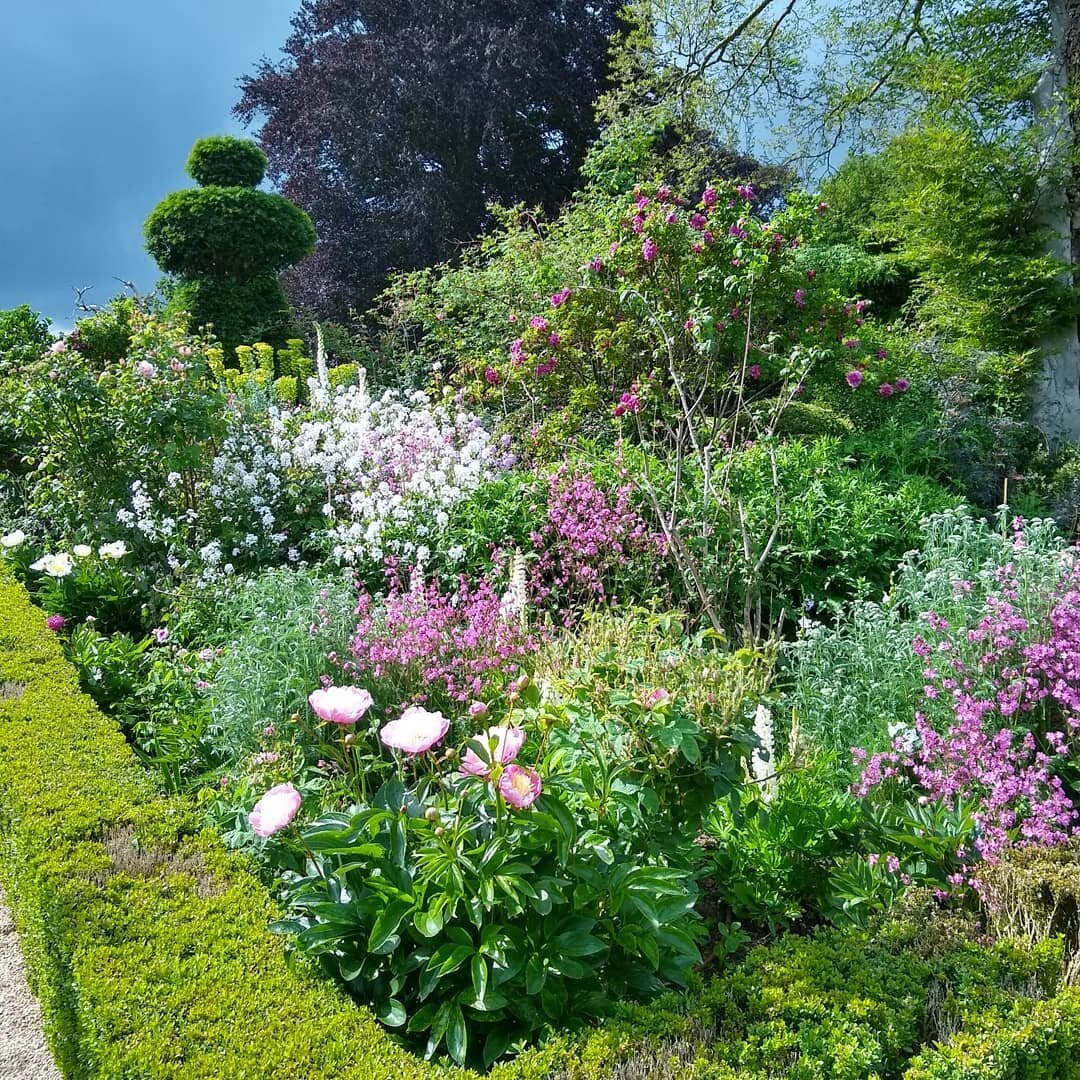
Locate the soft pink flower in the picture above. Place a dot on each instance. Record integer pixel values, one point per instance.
(854, 378)
(708, 196)
(478, 709)
(56, 623)
(415, 731)
(886, 389)
(520, 786)
(340, 704)
(145, 369)
(507, 741)
(656, 697)
(275, 810)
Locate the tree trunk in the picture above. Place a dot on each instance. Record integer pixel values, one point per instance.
(1055, 404)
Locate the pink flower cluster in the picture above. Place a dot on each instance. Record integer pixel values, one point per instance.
(995, 730)
(587, 538)
(460, 640)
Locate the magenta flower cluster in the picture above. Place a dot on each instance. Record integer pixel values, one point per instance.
(587, 538)
(995, 727)
(463, 640)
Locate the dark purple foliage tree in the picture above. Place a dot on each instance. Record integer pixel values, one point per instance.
(395, 124)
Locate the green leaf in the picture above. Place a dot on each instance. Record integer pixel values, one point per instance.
(391, 1012)
(496, 1044)
(535, 975)
(457, 1038)
(479, 972)
(387, 922)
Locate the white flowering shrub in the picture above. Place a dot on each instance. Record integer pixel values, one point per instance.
(390, 467)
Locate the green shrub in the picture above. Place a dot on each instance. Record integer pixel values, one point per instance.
(227, 242)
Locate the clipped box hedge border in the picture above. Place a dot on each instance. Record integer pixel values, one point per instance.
(146, 943)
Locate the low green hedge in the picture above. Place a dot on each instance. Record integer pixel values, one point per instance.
(147, 945)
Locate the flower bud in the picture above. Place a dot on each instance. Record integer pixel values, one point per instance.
(450, 755)
(440, 831)
(403, 809)
(431, 814)
(513, 697)
(350, 739)
(520, 684)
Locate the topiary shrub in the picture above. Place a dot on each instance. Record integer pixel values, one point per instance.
(226, 242)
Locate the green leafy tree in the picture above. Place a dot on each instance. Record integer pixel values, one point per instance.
(226, 242)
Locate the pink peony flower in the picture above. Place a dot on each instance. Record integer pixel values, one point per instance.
(902, 385)
(275, 810)
(708, 196)
(854, 379)
(656, 697)
(886, 389)
(503, 745)
(145, 369)
(415, 731)
(340, 704)
(478, 709)
(520, 786)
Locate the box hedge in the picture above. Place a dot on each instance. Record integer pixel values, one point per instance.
(147, 945)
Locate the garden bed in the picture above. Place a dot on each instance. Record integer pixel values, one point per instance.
(148, 947)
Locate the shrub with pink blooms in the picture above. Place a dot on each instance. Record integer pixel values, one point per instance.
(478, 898)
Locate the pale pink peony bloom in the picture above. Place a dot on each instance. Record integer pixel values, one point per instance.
(519, 786)
(340, 704)
(656, 697)
(478, 709)
(415, 731)
(507, 741)
(275, 810)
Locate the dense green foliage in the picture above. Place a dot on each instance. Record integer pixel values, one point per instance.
(226, 242)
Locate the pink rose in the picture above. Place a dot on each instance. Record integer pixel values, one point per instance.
(415, 731)
(503, 745)
(340, 704)
(275, 810)
(519, 786)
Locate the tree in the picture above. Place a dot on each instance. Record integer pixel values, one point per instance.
(226, 242)
(395, 125)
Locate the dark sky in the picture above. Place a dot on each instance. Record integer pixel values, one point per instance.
(100, 101)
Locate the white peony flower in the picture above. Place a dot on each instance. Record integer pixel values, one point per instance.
(115, 550)
(58, 565)
(13, 539)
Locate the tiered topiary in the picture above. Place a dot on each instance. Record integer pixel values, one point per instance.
(226, 243)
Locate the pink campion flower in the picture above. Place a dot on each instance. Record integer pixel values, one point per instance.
(56, 623)
(737, 231)
(854, 379)
(628, 403)
(554, 340)
(520, 786)
(881, 354)
(596, 264)
(755, 371)
(745, 191)
(672, 217)
(902, 384)
(648, 250)
(491, 376)
(538, 322)
(642, 201)
(160, 634)
(517, 351)
(638, 224)
(560, 298)
(698, 222)
(852, 343)
(416, 731)
(275, 810)
(800, 298)
(689, 325)
(342, 705)
(503, 744)
(886, 389)
(708, 238)
(708, 196)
